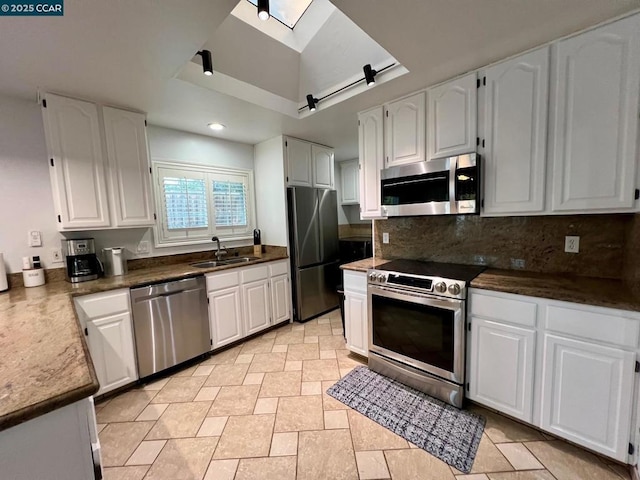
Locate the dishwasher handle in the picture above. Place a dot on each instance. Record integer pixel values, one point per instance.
(168, 288)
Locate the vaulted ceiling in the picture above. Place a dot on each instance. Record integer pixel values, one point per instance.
(141, 55)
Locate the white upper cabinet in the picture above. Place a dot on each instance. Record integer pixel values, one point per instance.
(349, 192)
(515, 136)
(404, 130)
(371, 161)
(594, 100)
(298, 155)
(308, 164)
(452, 117)
(322, 162)
(89, 190)
(76, 162)
(128, 167)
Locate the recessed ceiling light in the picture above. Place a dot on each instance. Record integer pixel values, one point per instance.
(216, 126)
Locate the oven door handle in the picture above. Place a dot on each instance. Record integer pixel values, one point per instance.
(397, 294)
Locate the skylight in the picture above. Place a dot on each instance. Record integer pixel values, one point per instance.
(287, 12)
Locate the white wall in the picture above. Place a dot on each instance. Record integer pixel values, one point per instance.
(25, 192)
(271, 192)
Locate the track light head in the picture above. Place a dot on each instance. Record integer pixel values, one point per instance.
(369, 74)
(207, 62)
(263, 10)
(312, 102)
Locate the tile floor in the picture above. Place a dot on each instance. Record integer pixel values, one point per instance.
(259, 411)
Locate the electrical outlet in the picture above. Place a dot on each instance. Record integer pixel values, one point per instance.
(143, 247)
(479, 260)
(385, 237)
(56, 255)
(572, 244)
(517, 263)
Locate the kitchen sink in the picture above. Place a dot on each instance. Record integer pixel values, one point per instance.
(217, 263)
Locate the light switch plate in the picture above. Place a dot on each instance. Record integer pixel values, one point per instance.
(385, 237)
(35, 238)
(143, 247)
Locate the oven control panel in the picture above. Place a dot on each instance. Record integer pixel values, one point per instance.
(437, 286)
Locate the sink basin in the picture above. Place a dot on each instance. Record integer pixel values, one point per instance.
(207, 264)
(231, 261)
(228, 261)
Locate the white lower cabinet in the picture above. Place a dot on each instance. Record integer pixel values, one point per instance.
(244, 301)
(564, 367)
(356, 318)
(502, 360)
(106, 320)
(256, 306)
(225, 316)
(587, 392)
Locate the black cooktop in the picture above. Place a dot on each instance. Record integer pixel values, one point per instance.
(452, 271)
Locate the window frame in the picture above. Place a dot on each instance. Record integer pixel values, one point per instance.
(163, 237)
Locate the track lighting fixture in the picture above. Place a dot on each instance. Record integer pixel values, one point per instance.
(369, 75)
(312, 102)
(207, 62)
(263, 9)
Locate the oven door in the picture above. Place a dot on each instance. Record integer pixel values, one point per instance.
(419, 330)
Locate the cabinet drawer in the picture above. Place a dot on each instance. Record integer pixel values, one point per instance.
(253, 274)
(600, 326)
(218, 281)
(103, 304)
(506, 309)
(355, 281)
(278, 268)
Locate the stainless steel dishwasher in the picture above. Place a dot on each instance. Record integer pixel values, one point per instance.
(171, 323)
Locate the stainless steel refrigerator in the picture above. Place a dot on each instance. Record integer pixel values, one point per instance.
(313, 240)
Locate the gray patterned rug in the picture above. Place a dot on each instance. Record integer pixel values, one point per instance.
(444, 431)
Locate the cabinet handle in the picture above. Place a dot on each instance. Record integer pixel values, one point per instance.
(86, 332)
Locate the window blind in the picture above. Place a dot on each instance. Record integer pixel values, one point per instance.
(229, 203)
(185, 202)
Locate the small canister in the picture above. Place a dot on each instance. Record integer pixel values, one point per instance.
(115, 262)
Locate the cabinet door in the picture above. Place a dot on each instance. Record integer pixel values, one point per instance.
(452, 117)
(404, 130)
(595, 83)
(225, 315)
(356, 323)
(349, 193)
(322, 162)
(371, 152)
(110, 341)
(77, 166)
(280, 302)
(299, 170)
(256, 308)
(128, 166)
(501, 367)
(516, 100)
(587, 392)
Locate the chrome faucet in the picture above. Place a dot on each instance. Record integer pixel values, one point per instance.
(221, 250)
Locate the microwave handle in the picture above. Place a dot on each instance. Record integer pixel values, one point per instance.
(419, 180)
(453, 166)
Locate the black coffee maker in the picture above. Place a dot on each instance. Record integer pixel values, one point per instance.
(82, 262)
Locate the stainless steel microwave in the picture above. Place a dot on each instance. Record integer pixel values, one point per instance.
(443, 186)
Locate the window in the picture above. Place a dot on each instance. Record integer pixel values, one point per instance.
(197, 202)
(287, 12)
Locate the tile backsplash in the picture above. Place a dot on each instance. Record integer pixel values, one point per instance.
(531, 243)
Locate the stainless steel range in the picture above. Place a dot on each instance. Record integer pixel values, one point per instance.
(417, 324)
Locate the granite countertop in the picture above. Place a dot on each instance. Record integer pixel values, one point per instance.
(600, 292)
(364, 265)
(45, 363)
